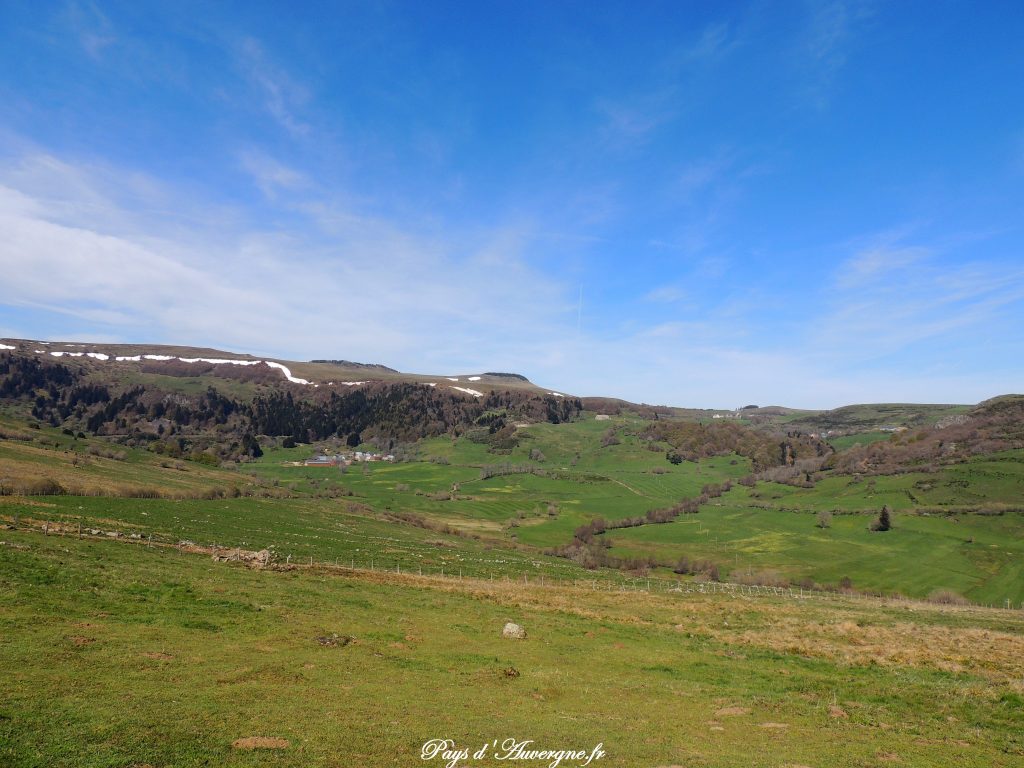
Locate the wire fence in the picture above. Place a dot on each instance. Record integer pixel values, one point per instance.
(607, 582)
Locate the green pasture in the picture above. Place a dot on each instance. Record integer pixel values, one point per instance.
(861, 438)
(955, 529)
(116, 655)
(96, 463)
(577, 480)
(295, 530)
(937, 541)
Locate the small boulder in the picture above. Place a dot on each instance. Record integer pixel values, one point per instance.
(334, 640)
(513, 631)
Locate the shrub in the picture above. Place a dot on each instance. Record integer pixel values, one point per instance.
(947, 597)
(43, 487)
(884, 521)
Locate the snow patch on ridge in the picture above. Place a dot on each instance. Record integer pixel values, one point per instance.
(469, 391)
(164, 358)
(286, 371)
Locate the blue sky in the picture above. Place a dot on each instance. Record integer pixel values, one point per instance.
(700, 204)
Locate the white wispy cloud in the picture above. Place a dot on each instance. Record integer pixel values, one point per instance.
(831, 28)
(666, 294)
(891, 295)
(270, 175)
(282, 95)
(93, 28)
(708, 173)
(349, 284)
(716, 41)
(632, 120)
(879, 263)
(344, 282)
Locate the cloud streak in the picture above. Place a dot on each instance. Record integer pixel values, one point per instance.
(344, 283)
(282, 95)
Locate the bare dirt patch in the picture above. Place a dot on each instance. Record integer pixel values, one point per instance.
(158, 655)
(732, 711)
(260, 742)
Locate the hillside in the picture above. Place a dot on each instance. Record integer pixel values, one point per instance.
(229, 551)
(597, 482)
(218, 407)
(194, 362)
(877, 416)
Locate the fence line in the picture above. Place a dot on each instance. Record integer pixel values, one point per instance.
(610, 584)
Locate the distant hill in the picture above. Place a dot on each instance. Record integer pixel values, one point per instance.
(515, 376)
(188, 401)
(357, 366)
(866, 417)
(196, 362)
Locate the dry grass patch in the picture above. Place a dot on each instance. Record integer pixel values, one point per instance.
(990, 653)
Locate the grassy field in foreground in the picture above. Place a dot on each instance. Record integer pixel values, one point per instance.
(117, 655)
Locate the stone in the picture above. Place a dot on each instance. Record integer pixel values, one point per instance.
(513, 631)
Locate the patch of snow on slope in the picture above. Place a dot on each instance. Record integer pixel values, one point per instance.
(474, 378)
(556, 394)
(6, 346)
(353, 383)
(164, 358)
(286, 371)
(469, 391)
